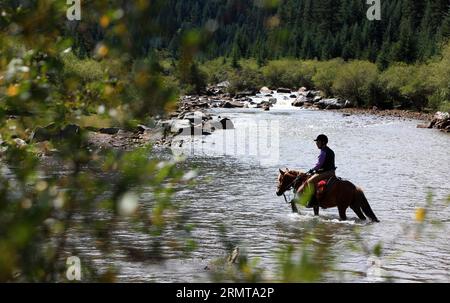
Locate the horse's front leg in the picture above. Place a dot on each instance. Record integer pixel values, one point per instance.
(316, 210)
(294, 207)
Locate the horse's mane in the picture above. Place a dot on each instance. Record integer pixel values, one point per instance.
(294, 172)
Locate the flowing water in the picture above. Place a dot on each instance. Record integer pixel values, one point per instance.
(394, 162)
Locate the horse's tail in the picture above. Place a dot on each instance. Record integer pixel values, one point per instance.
(367, 210)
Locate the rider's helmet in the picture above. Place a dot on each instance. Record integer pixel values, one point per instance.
(322, 138)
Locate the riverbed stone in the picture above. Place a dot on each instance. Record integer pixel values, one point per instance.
(283, 90)
(193, 131)
(196, 116)
(331, 103)
(109, 130)
(441, 120)
(177, 125)
(272, 100)
(52, 131)
(265, 90)
(232, 104)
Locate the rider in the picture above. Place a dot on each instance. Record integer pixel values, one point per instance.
(323, 170)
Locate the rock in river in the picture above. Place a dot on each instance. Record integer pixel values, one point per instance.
(233, 104)
(284, 90)
(441, 120)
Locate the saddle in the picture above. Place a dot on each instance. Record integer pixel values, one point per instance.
(324, 185)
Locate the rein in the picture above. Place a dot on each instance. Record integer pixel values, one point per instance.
(290, 186)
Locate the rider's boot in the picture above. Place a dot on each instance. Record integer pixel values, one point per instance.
(312, 202)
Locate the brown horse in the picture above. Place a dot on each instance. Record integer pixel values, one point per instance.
(342, 194)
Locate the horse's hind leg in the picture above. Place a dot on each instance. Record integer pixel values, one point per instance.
(316, 210)
(342, 214)
(358, 212)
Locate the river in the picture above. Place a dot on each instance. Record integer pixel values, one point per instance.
(394, 162)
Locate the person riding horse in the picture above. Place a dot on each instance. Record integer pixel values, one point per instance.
(324, 169)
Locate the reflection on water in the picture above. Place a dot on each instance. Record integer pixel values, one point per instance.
(393, 161)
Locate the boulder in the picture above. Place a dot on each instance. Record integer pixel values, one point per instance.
(441, 120)
(20, 143)
(142, 128)
(300, 101)
(51, 131)
(193, 131)
(218, 123)
(283, 90)
(265, 90)
(293, 96)
(70, 130)
(44, 133)
(177, 125)
(223, 84)
(264, 104)
(246, 93)
(332, 103)
(226, 123)
(317, 99)
(232, 104)
(196, 116)
(109, 130)
(272, 100)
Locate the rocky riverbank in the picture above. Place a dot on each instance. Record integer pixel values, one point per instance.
(193, 118)
(265, 99)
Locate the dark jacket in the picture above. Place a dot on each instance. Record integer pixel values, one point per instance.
(326, 160)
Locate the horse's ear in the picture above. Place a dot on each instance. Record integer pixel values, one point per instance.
(281, 171)
(287, 169)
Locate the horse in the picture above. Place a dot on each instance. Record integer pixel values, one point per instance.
(341, 194)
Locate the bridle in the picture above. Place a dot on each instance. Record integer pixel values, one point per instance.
(290, 186)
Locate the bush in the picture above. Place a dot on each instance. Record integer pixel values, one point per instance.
(439, 77)
(357, 81)
(217, 70)
(289, 73)
(247, 77)
(85, 69)
(325, 75)
(409, 84)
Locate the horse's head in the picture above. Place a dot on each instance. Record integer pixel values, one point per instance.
(286, 179)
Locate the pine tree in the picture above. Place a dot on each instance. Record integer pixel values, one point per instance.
(446, 25)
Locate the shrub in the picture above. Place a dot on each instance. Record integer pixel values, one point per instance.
(217, 70)
(85, 69)
(289, 73)
(325, 75)
(248, 77)
(410, 84)
(357, 81)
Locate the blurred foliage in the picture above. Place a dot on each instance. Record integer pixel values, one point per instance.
(46, 77)
(109, 69)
